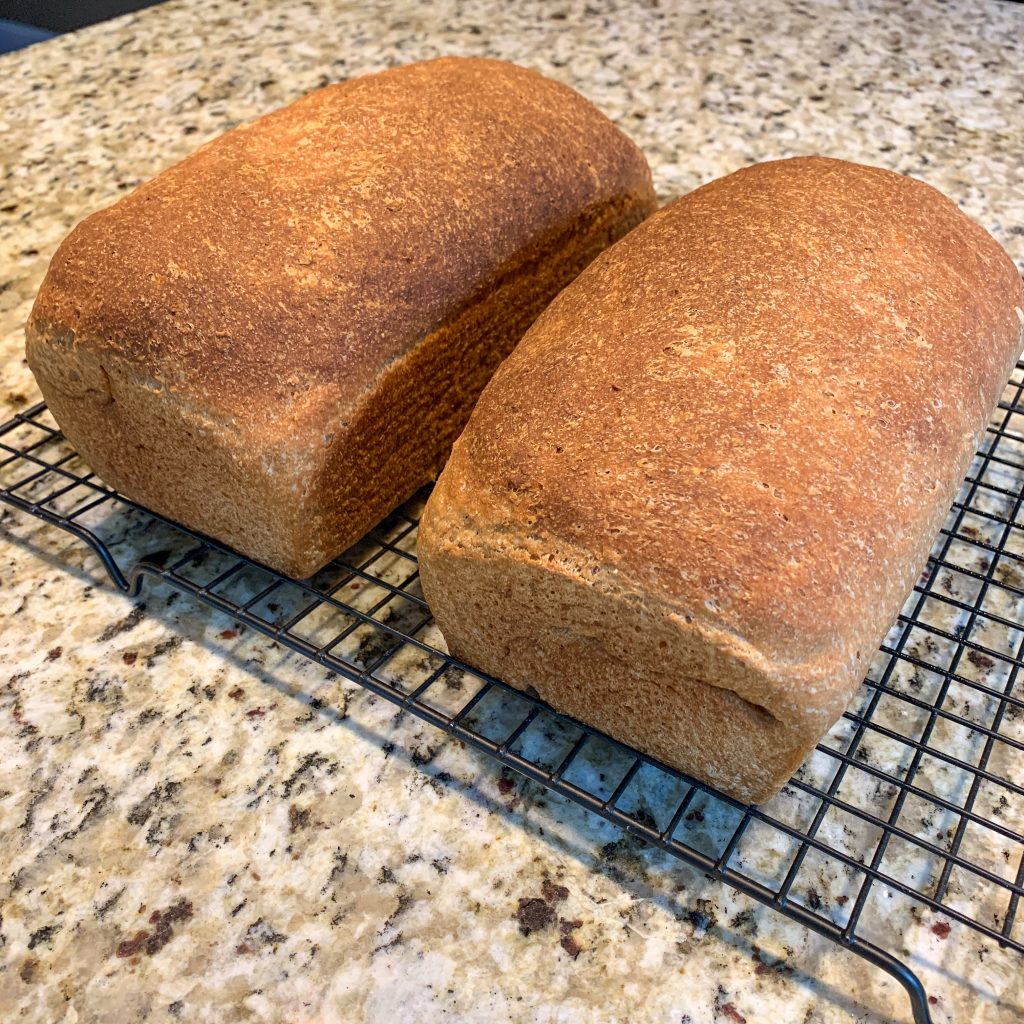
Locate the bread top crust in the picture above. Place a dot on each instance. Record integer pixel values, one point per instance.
(742, 411)
(281, 267)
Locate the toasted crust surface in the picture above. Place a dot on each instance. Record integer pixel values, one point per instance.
(720, 458)
(214, 341)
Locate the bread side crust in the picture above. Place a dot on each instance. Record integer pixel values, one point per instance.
(651, 671)
(597, 649)
(157, 448)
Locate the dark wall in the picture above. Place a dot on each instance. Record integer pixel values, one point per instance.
(62, 16)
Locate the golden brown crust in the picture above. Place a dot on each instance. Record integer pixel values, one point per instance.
(746, 419)
(275, 282)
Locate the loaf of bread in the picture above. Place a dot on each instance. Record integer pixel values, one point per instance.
(689, 504)
(277, 340)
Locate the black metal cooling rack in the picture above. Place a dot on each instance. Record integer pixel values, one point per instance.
(909, 814)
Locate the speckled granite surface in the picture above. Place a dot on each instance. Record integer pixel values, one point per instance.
(198, 827)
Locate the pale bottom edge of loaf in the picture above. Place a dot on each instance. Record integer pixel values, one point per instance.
(615, 664)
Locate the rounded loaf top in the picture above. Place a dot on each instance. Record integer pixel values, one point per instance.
(751, 407)
(316, 245)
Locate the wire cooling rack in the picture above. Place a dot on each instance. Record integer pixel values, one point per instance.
(908, 814)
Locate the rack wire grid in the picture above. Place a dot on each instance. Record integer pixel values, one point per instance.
(916, 795)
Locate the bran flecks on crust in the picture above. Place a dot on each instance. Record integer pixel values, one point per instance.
(689, 505)
(277, 340)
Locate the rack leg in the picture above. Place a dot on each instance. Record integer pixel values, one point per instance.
(903, 974)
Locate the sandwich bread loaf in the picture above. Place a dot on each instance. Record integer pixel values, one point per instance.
(276, 341)
(689, 505)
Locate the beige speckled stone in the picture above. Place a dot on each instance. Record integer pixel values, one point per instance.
(348, 867)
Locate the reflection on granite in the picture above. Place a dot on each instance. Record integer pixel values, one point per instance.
(196, 825)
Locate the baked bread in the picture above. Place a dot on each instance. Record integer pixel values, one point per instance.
(276, 341)
(688, 506)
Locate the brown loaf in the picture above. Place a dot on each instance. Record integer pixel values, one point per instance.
(690, 503)
(277, 340)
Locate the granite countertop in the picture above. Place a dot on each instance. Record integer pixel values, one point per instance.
(184, 836)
